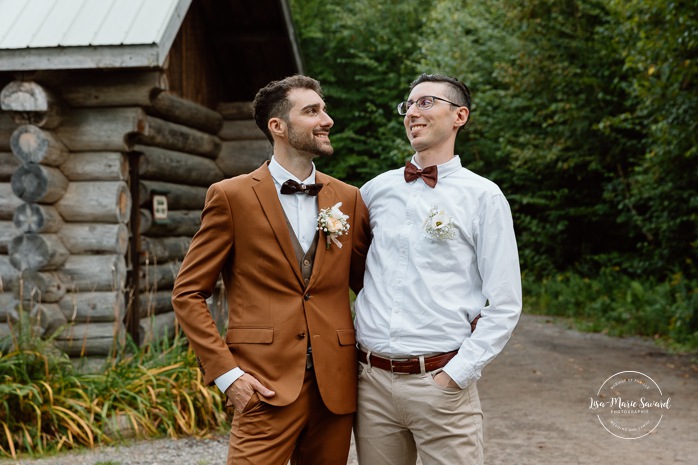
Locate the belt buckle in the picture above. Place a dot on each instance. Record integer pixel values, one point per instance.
(396, 360)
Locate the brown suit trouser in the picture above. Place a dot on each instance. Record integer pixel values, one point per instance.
(305, 432)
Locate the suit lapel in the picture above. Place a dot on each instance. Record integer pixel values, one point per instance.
(325, 199)
(269, 201)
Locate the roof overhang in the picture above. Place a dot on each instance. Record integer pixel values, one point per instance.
(111, 53)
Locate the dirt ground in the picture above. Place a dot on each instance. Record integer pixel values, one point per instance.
(535, 397)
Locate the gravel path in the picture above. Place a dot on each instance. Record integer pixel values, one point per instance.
(535, 396)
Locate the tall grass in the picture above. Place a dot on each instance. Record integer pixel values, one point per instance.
(47, 405)
(619, 305)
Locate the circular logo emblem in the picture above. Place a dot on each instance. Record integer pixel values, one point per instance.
(629, 405)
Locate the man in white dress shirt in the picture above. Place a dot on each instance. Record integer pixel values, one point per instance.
(443, 257)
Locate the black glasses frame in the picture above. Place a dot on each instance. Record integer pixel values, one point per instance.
(403, 107)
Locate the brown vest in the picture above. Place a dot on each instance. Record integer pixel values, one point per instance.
(305, 259)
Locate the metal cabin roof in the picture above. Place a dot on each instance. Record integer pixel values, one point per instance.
(77, 34)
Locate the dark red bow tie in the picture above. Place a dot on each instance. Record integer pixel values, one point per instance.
(292, 187)
(430, 174)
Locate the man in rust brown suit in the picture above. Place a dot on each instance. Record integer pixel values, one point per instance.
(288, 359)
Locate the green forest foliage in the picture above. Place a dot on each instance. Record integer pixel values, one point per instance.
(584, 112)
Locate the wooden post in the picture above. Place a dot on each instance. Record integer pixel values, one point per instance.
(32, 104)
(179, 223)
(100, 129)
(171, 166)
(165, 249)
(96, 166)
(134, 253)
(47, 318)
(83, 339)
(37, 252)
(235, 110)
(96, 307)
(38, 183)
(9, 201)
(154, 303)
(113, 88)
(87, 273)
(8, 165)
(87, 238)
(179, 197)
(244, 129)
(7, 127)
(39, 286)
(165, 134)
(157, 327)
(104, 202)
(34, 145)
(158, 277)
(7, 233)
(174, 108)
(8, 275)
(243, 156)
(36, 218)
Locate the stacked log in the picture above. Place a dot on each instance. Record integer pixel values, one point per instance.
(80, 247)
(244, 147)
(70, 208)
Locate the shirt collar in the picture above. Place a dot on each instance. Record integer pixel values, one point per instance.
(444, 169)
(281, 175)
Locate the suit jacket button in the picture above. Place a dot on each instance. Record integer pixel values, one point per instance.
(301, 336)
(307, 297)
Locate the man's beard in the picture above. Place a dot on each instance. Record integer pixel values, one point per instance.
(305, 142)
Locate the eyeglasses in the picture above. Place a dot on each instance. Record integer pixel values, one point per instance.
(423, 103)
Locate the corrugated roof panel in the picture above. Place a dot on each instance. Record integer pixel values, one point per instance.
(76, 34)
(11, 10)
(57, 24)
(27, 23)
(87, 22)
(117, 23)
(151, 20)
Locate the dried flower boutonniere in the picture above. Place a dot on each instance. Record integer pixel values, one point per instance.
(333, 223)
(439, 225)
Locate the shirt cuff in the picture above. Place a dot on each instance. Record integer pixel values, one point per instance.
(226, 379)
(462, 373)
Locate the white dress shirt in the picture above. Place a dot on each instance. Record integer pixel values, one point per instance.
(421, 292)
(302, 212)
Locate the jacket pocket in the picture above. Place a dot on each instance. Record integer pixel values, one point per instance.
(249, 336)
(347, 337)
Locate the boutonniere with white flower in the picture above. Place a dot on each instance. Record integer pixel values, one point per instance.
(333, 223)
(439, 225)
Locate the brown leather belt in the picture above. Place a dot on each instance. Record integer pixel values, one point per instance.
(407, 365)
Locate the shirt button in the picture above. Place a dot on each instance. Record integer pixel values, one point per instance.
(306, 262)
(306, 297)
(306, 281)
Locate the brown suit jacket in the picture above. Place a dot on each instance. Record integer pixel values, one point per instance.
(271, 312)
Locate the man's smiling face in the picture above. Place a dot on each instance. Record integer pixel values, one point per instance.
(308, 123)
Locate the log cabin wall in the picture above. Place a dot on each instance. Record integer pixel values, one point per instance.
(83, 152)
(76, 189)
(69, 184)
(8, 203)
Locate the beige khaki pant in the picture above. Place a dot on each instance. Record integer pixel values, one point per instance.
(400, 415)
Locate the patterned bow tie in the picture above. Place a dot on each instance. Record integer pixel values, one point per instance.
(428, 174)
(291, 187)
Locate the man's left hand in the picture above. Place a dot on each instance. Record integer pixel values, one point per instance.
(445, 381)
